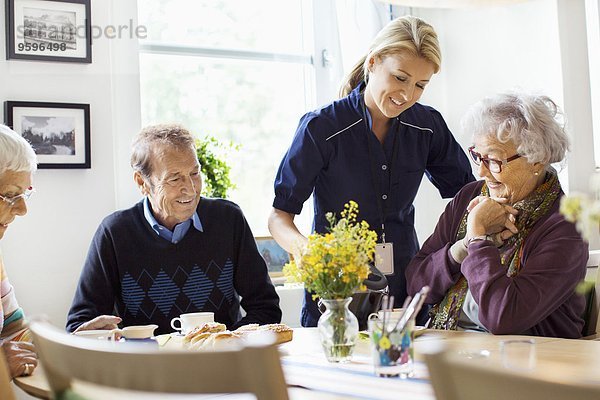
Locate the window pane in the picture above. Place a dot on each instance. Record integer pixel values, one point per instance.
(256, 104)
(261, 25)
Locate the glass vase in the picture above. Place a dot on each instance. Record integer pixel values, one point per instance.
(338, 330)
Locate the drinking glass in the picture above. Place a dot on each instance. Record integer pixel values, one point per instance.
(392, 349)
(518, 354)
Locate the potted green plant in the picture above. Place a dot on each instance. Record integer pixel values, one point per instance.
(212, 154)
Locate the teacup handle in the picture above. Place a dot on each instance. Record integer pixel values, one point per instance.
(177, 328)
(373, 316)
(115, 335)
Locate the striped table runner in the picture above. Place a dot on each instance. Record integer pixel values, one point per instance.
(354, 380)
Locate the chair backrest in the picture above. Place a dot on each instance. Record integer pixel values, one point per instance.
(457, 377)
(250, 369)
(592, 295)
(6, 391)
(290, 302)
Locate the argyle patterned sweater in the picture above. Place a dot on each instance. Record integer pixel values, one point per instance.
(133, 273)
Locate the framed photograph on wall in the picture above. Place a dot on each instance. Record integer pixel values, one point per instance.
(58, 132)
(47, 30)
(275, 256)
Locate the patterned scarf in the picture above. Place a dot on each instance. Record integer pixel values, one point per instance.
(445, 314)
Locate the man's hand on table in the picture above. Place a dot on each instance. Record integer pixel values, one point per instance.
(104, 322)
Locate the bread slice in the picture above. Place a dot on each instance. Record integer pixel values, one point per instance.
(283, 333)
(247, 328)
(214, 336)
(200, 337)
(199, 331)
(217, 341)
(224, 340)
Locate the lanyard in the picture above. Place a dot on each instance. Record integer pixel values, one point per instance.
(376, 189)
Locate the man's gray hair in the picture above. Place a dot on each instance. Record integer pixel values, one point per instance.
(164, 134)
(532, 122)
(16, 153)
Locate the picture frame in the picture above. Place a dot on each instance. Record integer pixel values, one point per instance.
(58, 132)
(49, 30)
(274, 255)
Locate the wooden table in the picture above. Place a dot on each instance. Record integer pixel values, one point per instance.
(312, 377)
(560, 359)
(35, 385)
(304, 363)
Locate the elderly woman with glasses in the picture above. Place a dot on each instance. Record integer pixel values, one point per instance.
(17, 164)
(502, 259)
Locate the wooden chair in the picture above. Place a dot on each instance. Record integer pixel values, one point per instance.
(140, 367)
(457, 377)
(6, 391)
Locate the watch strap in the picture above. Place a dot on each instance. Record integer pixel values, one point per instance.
(479, 238)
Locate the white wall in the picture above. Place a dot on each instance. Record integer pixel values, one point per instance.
(44, 251)
(593, 22)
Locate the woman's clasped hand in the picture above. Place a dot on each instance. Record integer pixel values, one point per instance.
(491, 216)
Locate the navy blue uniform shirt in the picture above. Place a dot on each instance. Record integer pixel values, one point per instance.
(330, 157)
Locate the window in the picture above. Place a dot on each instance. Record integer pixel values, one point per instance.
(235, 70)
(593, 30)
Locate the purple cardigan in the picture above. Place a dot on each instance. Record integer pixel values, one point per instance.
(540, 300)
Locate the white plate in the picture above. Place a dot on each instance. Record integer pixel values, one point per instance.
(417, 330)
(102, 334)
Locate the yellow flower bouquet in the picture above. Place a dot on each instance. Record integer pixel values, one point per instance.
(583, 211)
(333, 266)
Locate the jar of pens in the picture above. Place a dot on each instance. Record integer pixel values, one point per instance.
(391, 333)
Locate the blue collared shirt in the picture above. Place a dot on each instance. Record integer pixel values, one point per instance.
(180, 229)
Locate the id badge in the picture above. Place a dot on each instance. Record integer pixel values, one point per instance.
(384, 258)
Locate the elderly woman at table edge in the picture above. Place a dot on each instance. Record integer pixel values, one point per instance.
(502, 259)
(17, 164)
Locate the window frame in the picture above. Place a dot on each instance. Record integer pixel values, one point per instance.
(320, 51)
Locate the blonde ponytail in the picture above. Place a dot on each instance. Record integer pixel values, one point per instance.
(356, 76)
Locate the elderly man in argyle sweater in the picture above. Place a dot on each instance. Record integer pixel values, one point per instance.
(174, 252)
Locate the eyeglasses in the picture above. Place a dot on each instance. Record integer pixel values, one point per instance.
(491, 164)
(11, 201)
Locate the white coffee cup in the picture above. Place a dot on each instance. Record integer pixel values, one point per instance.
(191, 320)
(392, 315)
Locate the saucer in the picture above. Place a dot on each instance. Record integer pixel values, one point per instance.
(102, 334)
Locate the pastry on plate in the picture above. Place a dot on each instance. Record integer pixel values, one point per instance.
(223, 341)
(199, 339)
(200, 332)
(247, 328)
(282, 332)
